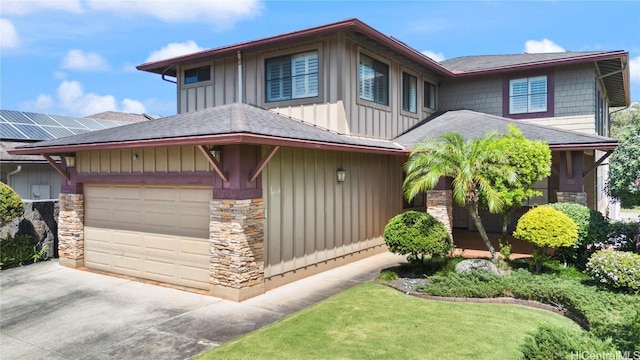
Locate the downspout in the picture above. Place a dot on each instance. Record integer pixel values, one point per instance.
(239, 99)
(164, 74)
(9, 175)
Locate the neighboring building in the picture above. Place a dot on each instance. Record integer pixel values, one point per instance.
(286, 155)
(31, 176)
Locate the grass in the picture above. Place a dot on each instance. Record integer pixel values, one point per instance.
(371, 321)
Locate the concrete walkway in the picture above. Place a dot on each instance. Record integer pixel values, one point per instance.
(51, 312)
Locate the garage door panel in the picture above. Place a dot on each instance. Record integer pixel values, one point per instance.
(149, 232)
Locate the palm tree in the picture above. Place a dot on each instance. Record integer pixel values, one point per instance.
(466, 162)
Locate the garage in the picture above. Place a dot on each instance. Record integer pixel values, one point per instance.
(156, 232)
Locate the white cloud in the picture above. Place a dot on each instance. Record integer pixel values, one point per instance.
(542, 46)
(173, 50)
(133, 106)
(8, 35)
(41, 104)
(634, 68)
(434, 55)
(221, 13)
(22, 7)
(84, 61)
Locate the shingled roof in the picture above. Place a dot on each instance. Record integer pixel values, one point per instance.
(225, 124)
(474, 125)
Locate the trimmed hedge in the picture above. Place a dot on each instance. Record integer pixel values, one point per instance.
(552, 342)
(616, 269)
(11, 205)
(546, 227)
(417, 234)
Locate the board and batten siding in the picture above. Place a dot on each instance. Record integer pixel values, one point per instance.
(311, 218)
(147, 160)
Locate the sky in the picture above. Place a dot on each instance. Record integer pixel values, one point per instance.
(78, 57)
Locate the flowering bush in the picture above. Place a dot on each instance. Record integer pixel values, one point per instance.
(616, 269)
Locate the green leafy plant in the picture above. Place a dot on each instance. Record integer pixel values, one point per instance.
(553, 342)
(624, 166)
(505, 248)
(545, 227)
(592, 228)
(11, 205)
(387, 275)
(417, 234)
(20, 250)
(623, 236)
(616, 269)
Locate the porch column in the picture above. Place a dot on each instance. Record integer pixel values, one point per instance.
(440, 204)
(571, 187)
(236, 234)
(71, 222)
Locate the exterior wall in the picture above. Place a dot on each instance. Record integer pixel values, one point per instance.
(575, 91)
(483, 94)
(337, 106)
(29, 179)
(148, 160)
(71, 230)
(312, 219)
(581, 123)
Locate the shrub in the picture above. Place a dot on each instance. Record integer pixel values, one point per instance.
(20, 250)
(592, 228)
(417, 234)
(616, 269)
(11, 205)
(545, 227)
(553, 342)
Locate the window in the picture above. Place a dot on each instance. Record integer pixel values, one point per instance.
(192, 76)
(528, 95)
(409, 93)
(429, 95)
(292, 76)
(373, 80)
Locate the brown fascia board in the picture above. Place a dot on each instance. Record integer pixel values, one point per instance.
(604, 146)
(546, 64)
(162, 66)
(227, 139)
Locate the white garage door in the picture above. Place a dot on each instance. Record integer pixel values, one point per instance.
(152, 232)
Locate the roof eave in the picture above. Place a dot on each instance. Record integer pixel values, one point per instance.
(604, 146)
(224, 139)
(543, 64)
(160, 67)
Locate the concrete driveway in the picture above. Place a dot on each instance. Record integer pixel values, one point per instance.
(51, 312)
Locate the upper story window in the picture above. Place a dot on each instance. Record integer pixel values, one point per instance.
(528, 95)
(373, 80)
(292, 76)
(192, 76)
(429, 95)
(409, 93)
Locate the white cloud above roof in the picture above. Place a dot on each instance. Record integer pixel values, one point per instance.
(22, 7)
(8, 35)
(84, 61)
(634, 69)
(542, 46)
(174, 49)
(221, 13)
(437, 56)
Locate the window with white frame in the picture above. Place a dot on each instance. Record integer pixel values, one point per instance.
(429, 95)
(528, 95)
(373, 80)
(409, 93)
(192, 76)
(292, 76)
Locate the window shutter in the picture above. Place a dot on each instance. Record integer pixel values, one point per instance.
(278, 72)
(538, 94)
(518, 96)
(381, 84)
(304, 72)
(366, 77)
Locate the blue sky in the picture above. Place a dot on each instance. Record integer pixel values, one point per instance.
(78, 57)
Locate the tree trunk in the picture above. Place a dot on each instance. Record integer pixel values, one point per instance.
(506, 219)
(473, 212)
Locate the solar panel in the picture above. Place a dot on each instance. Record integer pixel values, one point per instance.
(34, 126)
(42, 119)
(34, 132)
(58, 132)
(16, 117)
(9, 132)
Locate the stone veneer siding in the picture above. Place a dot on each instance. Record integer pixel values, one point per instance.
(236, 236)
(572, 197)
(71, 230)
(440, 206)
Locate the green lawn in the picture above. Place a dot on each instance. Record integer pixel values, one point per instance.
(372, 321)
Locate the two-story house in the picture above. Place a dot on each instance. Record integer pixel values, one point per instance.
(286, 155)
